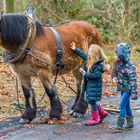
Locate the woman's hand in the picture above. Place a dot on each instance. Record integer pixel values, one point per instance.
(73, 47)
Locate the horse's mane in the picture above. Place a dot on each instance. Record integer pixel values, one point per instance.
(14, 29)
(39, 29)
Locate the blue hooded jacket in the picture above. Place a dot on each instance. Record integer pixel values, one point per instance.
(123, 52)
(125, 70)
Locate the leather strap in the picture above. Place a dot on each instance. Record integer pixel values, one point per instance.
(59, 48)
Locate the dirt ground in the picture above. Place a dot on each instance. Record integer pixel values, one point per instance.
(71, 129)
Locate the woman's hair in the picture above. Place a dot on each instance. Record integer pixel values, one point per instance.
(97, 53)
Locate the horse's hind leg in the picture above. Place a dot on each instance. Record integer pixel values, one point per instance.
(80, 105)
(56, 107)
(78, 86)
(30, 102)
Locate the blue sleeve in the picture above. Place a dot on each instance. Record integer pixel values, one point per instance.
(81, 53)
(97, 73)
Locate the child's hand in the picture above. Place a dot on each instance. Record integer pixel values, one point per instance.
(83, 73)
(116, 57)
(115, 80)
(134, 96)
(73, 47)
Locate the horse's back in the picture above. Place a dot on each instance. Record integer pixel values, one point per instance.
(80, 29)
(76, 24)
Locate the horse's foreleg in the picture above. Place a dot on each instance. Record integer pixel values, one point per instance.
(56, 107)
(80, 104)
(30, 102)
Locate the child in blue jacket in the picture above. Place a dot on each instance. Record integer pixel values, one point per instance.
(96, 62)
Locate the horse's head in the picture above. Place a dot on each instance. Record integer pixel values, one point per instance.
(13, 29)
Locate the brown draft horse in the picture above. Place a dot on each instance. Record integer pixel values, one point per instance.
(18, 32)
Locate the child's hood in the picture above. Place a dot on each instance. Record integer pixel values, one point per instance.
(123, 52)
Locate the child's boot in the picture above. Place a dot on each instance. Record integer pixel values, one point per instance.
(119, 125)
(94, 118)
(129, 120)
(102, 113)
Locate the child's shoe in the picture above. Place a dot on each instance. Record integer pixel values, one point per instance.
(102, 113)
(129, 124)
(94, 118)
(119, 125)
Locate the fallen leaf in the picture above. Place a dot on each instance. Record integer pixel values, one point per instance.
(29, 126)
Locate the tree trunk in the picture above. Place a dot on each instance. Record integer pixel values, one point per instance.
(138, 14)
(9, 6)
(126, 33)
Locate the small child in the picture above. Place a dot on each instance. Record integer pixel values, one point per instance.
(125, 72)
(96, 64)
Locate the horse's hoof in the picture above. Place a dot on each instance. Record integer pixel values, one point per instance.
(24, 121)
(78, 115)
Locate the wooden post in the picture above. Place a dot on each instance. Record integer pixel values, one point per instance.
(138, 14)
